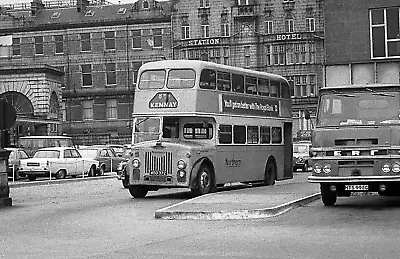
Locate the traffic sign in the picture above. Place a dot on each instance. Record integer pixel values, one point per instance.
(7, 115)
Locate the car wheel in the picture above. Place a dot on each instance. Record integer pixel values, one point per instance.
(270, 173)
(61, 174)
(92, 171)
(32, 177)
(138, 191)
(204, 181)
(102, 170)
(305, 167)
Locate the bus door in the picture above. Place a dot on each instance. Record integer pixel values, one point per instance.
(288, 152)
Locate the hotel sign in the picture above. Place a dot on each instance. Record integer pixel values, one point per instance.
(249, 105)
(204, 42)
(290, 36)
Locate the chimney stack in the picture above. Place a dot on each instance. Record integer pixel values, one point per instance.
(81, 5)
(36, 6)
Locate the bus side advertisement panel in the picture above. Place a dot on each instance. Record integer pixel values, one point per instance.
(248, 105)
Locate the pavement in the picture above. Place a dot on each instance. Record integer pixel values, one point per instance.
(245, 202)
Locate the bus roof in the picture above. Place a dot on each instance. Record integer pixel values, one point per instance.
(205, 64)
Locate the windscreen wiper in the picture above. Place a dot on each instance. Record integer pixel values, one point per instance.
(343, 94)
(380, 94)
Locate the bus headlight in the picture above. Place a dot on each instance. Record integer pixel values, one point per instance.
(317, 168)
(386, 168)
(181, 164)
(135, 163)
(327, 168)
(396, 168)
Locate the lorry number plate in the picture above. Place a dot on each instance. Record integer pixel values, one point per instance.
(356, 187)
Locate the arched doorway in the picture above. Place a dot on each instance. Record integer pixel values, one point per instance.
(20, 102)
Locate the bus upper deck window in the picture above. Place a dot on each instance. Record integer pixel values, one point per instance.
(275, 88)
(181, 78)
(208, 79)
(224, 81)
(263, 87)
(251, 85)
(238, 83)
(152, 79)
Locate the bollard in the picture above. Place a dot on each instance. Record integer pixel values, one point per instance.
(5, 199)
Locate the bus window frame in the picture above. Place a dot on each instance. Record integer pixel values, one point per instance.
(181, 79)
(148, 81)
(212, 79)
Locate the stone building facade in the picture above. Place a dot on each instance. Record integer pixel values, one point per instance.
(285, 37)
(362, 42)
(98, 47)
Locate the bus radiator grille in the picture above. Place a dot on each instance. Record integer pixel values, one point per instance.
(158, 164)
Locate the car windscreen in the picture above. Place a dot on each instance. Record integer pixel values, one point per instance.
(300, 149)
(47, 154)
(89, 153)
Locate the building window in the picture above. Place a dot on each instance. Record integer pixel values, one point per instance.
(137, 39)
(85, 42)
(205, 31)
(204, 3)
(146, 5)
(157, 38)
(289, 54)
(111, 107)
(185, 31)
(16, 46)
(109, 38)
(289, 25)
(86, 75)
(312, 85)
(87, 110)
(59, 43)
(311, 53)
(246, 50)
(39, 45)
(226, 55)
(269, 27)
(385, 32)
(225, 28)
(310, 24)
(135, 69)
(268, 53)
(243, 2)
(111, 74)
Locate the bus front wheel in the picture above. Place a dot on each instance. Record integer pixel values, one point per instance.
(203, 181)
(328, 197)
(138, 191)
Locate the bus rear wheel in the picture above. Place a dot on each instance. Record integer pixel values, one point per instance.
(138, 191)
(270, 173)
(328, 197)
(204, 181)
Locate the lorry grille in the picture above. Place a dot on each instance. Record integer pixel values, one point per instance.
(158, 164)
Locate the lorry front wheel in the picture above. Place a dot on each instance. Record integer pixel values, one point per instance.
(328, 197)
(138, 191)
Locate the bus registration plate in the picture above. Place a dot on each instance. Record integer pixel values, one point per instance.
(356, 187)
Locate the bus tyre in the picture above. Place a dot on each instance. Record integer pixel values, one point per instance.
(61, 174)
(270, 174)
(138, 191)
(328, 197)
(203, 181)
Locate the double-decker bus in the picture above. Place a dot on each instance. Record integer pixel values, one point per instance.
(356, 141)
(200, 125)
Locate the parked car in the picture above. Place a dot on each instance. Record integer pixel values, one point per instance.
(59, 162)
(33, 143)
(118, 149)
(14, 159)
(301, 155)
(108, 160)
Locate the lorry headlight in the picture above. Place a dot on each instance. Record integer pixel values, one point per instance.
(317, 168)
(327, 168)
(135, 163)
(386, 168)
(396, 168)
(181, 164)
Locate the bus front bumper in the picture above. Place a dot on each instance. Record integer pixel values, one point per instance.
(354, 179)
